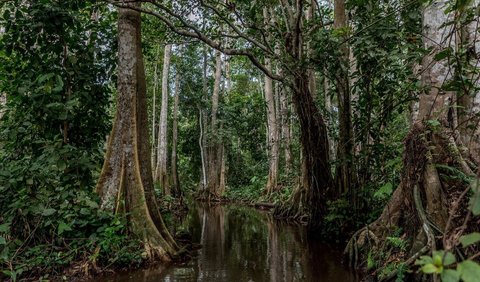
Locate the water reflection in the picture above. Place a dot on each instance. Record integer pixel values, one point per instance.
(243, 244)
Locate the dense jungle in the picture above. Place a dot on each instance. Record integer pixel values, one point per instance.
(240, 140)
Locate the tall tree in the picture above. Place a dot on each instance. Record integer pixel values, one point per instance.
(345, 143)
(421, 203)
(272, 125)
(214, 146)
(291, 35)
(125, 184)
(161, 173)
(176, 191)
(154, 108)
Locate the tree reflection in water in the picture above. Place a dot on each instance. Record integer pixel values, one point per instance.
(243, 244)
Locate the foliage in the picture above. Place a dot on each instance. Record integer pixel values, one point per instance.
(57, 72)
(443, 262)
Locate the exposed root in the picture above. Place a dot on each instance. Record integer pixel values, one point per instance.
(208, 196)
(294, 209)
(419, 207)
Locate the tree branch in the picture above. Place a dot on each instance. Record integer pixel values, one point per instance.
(190, 30)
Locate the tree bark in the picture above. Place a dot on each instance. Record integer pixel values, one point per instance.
(154, 109)
(161, 174)
(214, 152)
(420, 205)
(272, 128)
(176, 189)
(345, 144)
(125, 184)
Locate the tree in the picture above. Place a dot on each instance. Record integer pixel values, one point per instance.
(345, 155)
(125, 184)
(215, 153)
(316, 175)
(272, 126)
(161, 173)
(427, 202)
(176, 191)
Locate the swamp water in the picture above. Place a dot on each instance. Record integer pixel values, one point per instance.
(243, 244)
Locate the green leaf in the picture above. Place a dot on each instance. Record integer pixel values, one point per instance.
(84, 211)
(475, 200)
(429, 268)
(48, 212)
(2, 241)
(450, 275)
(437, 257)
(59, 85)
(63, 227)
(62, 165)
(443, 54)
(449, 259)
(470, 239)
(385, 190)
(469, 271)
(424, 260)
(4, 227)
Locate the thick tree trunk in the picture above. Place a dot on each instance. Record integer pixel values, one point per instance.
(214, 147)
(420, 205)
(316, 182)
(317, 179)
(125, 184)
(176, 191)
(161, 173)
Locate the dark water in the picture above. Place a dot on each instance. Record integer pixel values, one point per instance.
(243, 244)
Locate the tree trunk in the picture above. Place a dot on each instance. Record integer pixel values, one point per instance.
(420, 205)
(202, 121)
(161, 174)
(214, 152)
(317, 179)
(345, 143)
(154, 109)
(285, 126)
(272, 133)
(316, 182)
(125, 184)
(176, 191)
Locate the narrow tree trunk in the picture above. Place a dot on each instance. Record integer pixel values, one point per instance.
(285, 125)
(201, 144)
(202, 121)
(154, 109)
(345, 144)
(161, 174)
(329, 110)
(125, 183)
(176, 191)
(272, 129)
